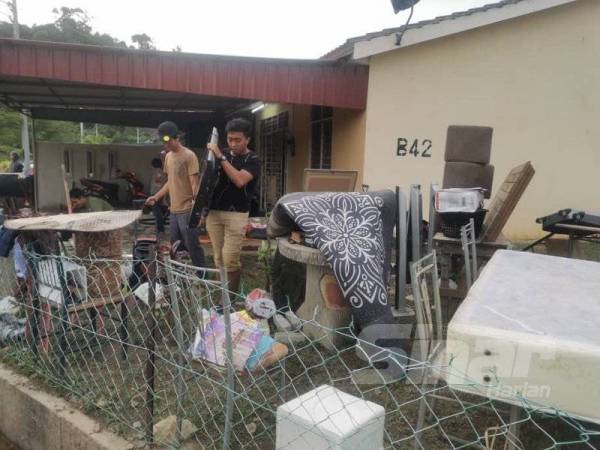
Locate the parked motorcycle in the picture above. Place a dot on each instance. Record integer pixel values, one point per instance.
(102, 189)
(136, 187)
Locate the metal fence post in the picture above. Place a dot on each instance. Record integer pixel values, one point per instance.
(34, 315)
(179, 384)
(64, 311)
(229, 349)
(149, 370)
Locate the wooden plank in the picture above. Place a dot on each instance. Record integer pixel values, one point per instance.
(506, 206)
(506, 200)
(95, 304)
(66, 187)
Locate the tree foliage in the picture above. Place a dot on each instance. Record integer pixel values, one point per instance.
(70, 25)
(143, 41)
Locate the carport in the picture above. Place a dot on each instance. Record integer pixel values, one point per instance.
(118, 86)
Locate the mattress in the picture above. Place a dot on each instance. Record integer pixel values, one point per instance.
(528, 333)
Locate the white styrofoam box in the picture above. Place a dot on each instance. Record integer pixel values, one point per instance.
(142, 293)
(458, 200)
(49, 283)
(327, 418)
(529, 329)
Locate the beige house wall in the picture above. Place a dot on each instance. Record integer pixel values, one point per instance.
(535, 79)
(348, 146)
(347, 141)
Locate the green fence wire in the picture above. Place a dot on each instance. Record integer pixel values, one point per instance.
(126, 357)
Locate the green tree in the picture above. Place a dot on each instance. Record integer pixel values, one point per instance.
(10, 136)
(143, 41)
(70, 25)
(56, 131)
(96, 139)
(10, 132)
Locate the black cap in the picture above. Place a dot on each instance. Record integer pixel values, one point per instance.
(167, 129)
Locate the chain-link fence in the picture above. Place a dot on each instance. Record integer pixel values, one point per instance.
(162, 352)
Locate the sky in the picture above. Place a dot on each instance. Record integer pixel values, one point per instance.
(267, 28)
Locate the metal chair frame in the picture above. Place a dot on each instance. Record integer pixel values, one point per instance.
(469, 246)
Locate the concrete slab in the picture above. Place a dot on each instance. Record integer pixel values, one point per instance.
(37, 420)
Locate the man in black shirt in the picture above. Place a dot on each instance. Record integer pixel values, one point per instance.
(238, 175)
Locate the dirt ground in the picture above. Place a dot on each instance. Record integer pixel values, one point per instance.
(105, 385)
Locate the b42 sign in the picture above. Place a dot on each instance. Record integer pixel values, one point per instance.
(414, 148)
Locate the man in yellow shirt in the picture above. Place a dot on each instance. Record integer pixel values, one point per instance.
(182, 170)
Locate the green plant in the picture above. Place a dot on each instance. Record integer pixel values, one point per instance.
(265, 255)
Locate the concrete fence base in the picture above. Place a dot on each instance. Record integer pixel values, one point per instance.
(35, 420)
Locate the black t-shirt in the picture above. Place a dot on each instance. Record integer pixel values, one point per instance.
(16, 167)
(228, 197)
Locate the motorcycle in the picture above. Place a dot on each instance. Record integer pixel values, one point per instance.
(136, 187)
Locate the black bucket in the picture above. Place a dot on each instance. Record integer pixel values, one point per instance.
(452, 222)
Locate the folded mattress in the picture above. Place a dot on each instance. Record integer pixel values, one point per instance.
(529, 332)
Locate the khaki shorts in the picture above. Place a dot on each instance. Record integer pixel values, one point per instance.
(226, 231)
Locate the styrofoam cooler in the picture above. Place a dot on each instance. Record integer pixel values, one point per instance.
(466, 200)
(327, 418)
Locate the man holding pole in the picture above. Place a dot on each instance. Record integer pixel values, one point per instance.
(182, 170)
(238, 176)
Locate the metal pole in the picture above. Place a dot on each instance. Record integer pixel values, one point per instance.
(180, 349)
(433, 188)
(15, 19)
(25, 142)
(81, 132)
(397, 296)
(24, 118)
(66, 304)
(34, 315)
(401, 234)
(513, 428)
(34, 157)
(416, 214)
(229, 349)
(150, 347)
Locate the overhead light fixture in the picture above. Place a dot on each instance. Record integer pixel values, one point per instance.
(257, 108)
(401, 5)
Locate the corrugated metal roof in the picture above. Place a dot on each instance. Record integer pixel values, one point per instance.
(345, 50)
(311, 82)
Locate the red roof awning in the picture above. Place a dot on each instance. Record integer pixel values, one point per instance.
(310, 82)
